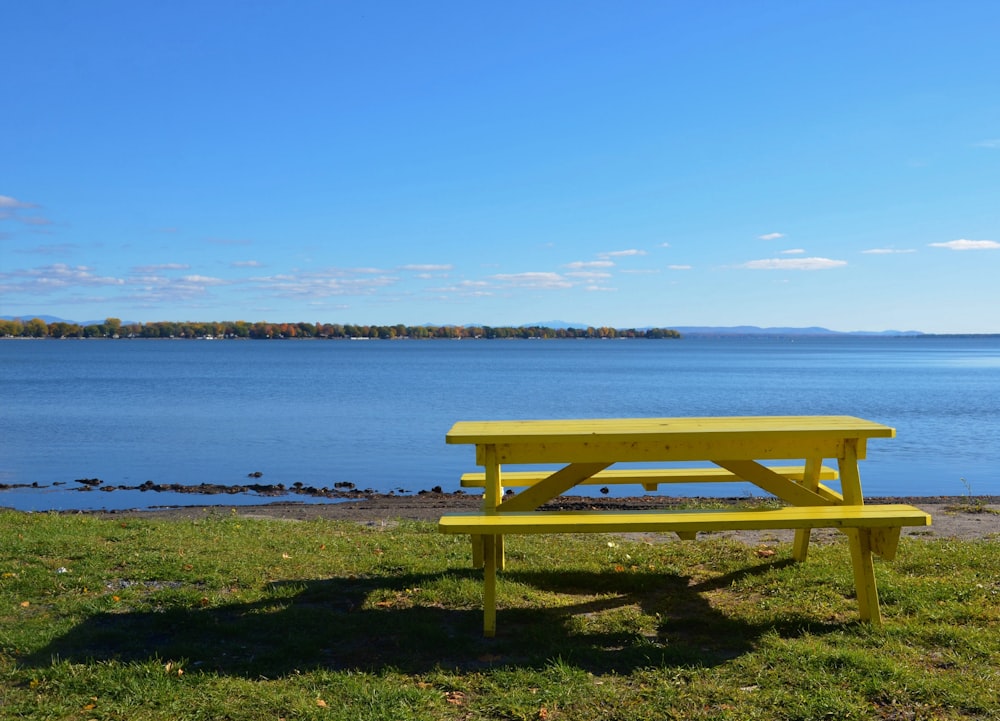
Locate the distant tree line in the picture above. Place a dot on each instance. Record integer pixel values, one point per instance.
(114, 328)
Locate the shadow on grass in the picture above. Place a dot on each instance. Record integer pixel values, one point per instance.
(330, 624)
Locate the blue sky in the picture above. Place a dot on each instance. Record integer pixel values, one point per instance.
(625, 164)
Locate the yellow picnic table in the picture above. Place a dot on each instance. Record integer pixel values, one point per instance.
(587, 450)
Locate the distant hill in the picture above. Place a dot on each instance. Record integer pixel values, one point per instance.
(737, 329)
(810, 331)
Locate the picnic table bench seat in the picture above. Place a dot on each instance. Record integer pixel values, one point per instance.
(875, 529)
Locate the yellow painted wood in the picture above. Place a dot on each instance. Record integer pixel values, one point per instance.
(548, 488)
(484, 432)
(812, 473)
(489, 586)
(871, 516)
(587, 447)
(667, 439)
(494, 492)
(649, 478)
(872, 528)
(850, 476)
(682, 449)
(884, 542)
(864, 576)
(774, 483)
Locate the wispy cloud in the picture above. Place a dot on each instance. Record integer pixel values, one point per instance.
(600, 289)
(536, 280)
(465, 289)
(204, 280)
(160, 267)
(887, 251)
(793, 251)
(325, 283)
(49, 278)
(427, 267)
(59, 249)
(581, 264)
(9, 203)
(679, 267)
(771, 236)
(588, 275)
(10, 209)
(793, 264)
(993, 144)
(963, 244)
(245, 264)
(621, 253)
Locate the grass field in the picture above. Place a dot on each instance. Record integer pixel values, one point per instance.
(230, 618)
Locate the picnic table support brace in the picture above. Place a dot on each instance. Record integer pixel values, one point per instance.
(810, 479)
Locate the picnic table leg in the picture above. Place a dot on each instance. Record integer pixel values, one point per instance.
(860, 538)
(493, 495)
(489, 586)
(810, 480)
(864, 576)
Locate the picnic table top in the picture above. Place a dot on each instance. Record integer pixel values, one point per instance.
(570, 430)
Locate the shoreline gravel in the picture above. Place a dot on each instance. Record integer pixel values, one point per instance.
(960, 517)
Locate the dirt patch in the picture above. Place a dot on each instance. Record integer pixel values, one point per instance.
(953, 517)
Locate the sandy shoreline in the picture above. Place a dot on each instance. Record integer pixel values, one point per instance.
(953, 517)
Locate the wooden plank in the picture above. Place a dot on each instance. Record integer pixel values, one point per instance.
(810, 479)
(551, 487)
(560, 430)
(689, 448)
(774, 483)
(643, 476)
(872, 516)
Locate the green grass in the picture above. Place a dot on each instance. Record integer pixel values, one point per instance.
(229, 618)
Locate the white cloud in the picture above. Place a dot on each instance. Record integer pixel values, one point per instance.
(13, 203)
(588, 275)
(600, 289)
(544, 281)
(160, 266)
(325, 283)
(426, 267)
(793, 251)
(580, 264)
(641, 271)
(10, 209)
(58, 276)
(465, 288)
(203, 280)
(664, 245)
(963, 244)
(993, 144)
(245, 264)
(621, 253)
(771, 236)
(679, 267)
(886, 251)
(793, 264)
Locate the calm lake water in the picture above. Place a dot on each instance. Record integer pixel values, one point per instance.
(376, 413)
